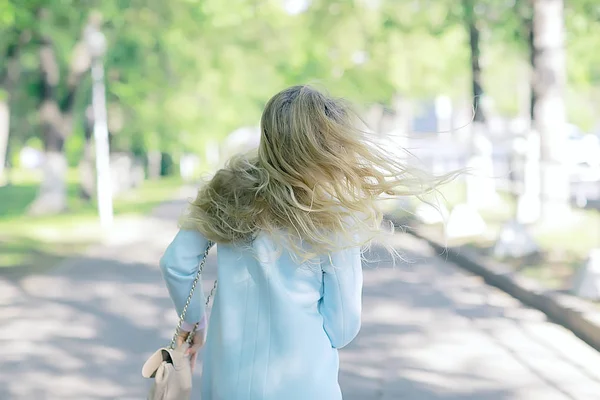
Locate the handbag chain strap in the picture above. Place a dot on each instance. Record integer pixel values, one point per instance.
(189, 299)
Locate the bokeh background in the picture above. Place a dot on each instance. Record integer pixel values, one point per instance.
(164, 91)
(507, 88)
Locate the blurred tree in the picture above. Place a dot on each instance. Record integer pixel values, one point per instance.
(183, 73)
(514, 30)
(13, 34)
(45, 36)
(472, 24)
(582, 20)
(549, 111)
(420, 35)
(8, 75)
(57, 105)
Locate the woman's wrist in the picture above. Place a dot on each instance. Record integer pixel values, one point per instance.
(189, 326)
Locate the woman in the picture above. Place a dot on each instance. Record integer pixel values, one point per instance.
(289, 223)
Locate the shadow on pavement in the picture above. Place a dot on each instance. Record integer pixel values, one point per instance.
(429, 332)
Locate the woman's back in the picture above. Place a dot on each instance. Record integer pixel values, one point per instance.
(275, 324)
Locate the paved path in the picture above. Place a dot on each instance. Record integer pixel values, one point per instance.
(429, 331)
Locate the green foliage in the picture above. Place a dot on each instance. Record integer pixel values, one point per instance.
(583, 35)
(38, 243)
(181, 73)
(74, 147)
(35, 143)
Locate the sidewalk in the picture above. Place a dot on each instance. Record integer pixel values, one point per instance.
(83, 330)
(430, 331)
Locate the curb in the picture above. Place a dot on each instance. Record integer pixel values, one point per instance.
(573, 313)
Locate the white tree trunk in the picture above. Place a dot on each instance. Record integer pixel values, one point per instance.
(529, 202)
(52, 195)
(154, 162)
(549, 111)
(481, 190)
(4, 131)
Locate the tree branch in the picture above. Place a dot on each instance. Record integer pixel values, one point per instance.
(50, 114)
(80, 64)
(57, 114)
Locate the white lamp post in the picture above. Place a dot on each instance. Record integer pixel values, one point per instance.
(96, 43)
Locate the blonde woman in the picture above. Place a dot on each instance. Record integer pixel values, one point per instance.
(289, 223)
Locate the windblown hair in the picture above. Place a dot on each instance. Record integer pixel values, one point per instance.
(316, 176)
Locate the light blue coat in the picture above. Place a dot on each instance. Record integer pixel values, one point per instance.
(275, 326)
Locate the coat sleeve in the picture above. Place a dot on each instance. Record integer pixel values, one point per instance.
(341, 301)
(179, 266)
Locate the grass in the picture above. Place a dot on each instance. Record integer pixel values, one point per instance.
(35, 243)
(564, 248)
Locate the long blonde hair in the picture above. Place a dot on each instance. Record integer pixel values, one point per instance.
(316, 175)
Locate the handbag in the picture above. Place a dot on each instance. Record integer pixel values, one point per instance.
(169, 367)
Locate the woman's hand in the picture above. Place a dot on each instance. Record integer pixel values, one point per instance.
(196, 343)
